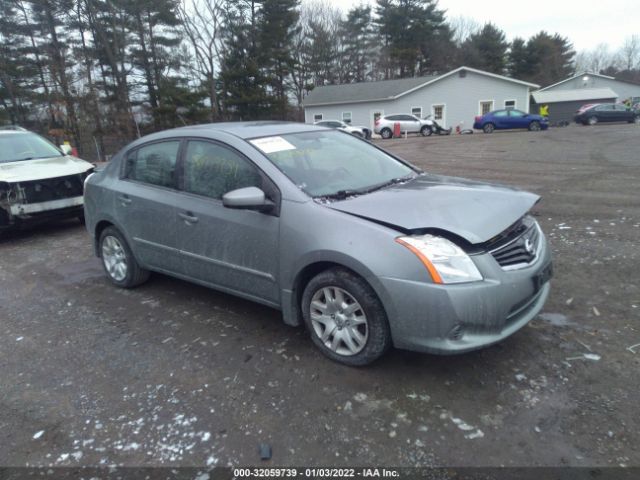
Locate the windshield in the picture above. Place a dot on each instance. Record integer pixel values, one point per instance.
(331, 163)
(25, 146)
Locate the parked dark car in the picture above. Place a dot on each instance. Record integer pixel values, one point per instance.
(606, 112)
(510, 119)
(363, 248)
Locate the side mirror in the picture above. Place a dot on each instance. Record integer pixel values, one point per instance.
(66, 149)
(249, 198)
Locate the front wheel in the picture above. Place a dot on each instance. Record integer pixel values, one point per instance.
(534, 127)
(118, 261)
(426, 131)
(345, 318)
(488, 128)
(386, 133)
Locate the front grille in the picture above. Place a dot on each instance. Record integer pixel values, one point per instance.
(48, 189)
(520, 251)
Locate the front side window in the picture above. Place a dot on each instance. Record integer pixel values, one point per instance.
(327, 162)
(18, 146)
(154, 164)
(212, 170)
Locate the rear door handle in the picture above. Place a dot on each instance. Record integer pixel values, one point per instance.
(188, 217)
(124, 200)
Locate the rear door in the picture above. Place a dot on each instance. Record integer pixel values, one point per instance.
(229, 248)
(501, 119)
(145, 200)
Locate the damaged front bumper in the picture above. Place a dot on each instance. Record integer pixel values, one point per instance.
(43, 199)
(448, 319)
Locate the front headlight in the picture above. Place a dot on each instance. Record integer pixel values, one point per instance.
(445, 261)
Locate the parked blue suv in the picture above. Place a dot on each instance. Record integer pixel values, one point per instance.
(509, 119)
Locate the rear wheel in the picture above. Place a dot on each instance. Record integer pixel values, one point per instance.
(345, 318)
(488, 128)
(592, 120)
(426, 131)
(118, 261)
(534, 126)
(386, 133)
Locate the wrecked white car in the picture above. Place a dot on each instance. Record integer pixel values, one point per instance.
(38, 180)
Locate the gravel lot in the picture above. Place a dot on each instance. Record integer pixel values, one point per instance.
(175, 374)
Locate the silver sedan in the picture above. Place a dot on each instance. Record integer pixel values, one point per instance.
(361, 247)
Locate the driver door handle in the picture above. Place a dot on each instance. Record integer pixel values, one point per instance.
(188, 217)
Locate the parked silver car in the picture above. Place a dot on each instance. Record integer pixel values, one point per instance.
(363, 248)
(358, 131)
(384, 126)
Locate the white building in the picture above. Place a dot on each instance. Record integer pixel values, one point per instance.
(453, 99)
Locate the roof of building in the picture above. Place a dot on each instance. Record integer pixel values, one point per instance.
(592, 74)
(573, 95)
(386, 89)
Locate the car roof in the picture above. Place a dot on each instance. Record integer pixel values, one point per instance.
(247, 130)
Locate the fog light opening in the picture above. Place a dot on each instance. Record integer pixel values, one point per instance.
(456, 333)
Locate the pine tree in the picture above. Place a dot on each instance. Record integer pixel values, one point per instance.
(486, 50)
(359, 44)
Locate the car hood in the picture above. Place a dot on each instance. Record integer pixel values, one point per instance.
(472, 210)
(41, 168)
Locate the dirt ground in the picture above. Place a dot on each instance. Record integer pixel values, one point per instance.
(175, 374)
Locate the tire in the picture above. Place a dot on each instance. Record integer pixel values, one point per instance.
(535, 126)
(113, 242)
(488, 128)
(592, 120)
(636, 120)
(426, 131)
(368, 318)
(386, 133)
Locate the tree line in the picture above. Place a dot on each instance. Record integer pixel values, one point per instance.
(102, 72)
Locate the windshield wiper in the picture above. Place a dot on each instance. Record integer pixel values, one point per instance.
(31, 158)
(343, 194)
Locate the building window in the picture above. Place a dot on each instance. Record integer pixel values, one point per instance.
(486, 106)
(438, 112)
(317, 117)
(509, 104)
(416, 112)
(346, 117)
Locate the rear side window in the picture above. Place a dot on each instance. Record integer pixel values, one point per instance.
(501, 113)
(212, 170)
(154, 164)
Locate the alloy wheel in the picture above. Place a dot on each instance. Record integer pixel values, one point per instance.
(339, 321)
(114, 258)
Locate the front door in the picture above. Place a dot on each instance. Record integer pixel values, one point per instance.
(229, 248)
(145, 202)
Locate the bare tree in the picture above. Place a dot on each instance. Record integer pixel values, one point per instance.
(596, 60)
(463, 27)
(201, 23)
(630, 53)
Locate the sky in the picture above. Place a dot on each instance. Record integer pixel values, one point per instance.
(587, 23)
